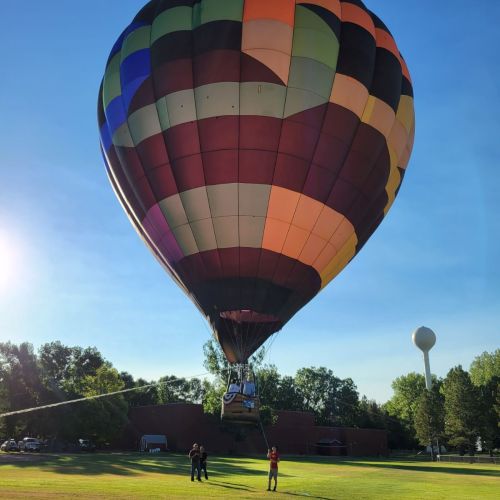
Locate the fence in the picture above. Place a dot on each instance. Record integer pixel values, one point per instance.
(474, 459)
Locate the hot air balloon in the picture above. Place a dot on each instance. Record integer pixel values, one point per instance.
(255, 146)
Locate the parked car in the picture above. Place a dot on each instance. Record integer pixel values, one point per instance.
(9, 445)
(86, 445)
(30, 444)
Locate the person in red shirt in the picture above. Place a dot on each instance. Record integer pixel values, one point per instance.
(274, 458)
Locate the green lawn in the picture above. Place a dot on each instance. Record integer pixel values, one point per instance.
(132, 475)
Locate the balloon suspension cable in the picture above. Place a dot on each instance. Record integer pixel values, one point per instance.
(264, 434)
(97, 396)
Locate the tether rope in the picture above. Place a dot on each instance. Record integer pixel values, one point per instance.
(264, 434)
(98, 396)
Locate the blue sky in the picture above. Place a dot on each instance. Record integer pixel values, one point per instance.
(74, 270)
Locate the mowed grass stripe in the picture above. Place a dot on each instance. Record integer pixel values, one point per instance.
(132, 475)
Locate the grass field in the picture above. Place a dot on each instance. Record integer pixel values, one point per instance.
(134, 475)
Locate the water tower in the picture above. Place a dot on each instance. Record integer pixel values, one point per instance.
(424, 338)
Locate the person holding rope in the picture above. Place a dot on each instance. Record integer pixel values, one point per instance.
(274, 458)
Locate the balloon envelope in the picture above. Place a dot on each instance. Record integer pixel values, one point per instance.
(255, 145)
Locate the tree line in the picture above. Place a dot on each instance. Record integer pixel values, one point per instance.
(461, 411)
(460, 408)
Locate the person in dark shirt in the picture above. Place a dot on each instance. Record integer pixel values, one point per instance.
(203, 461)
(274, 458)
(194, 456)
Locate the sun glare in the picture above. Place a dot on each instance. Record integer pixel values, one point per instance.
(8, 263)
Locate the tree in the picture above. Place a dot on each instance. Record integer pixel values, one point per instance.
(462, 421)
(485, 367)
(407, 390)
(288, 396)
(21, 387)
(84, 362)
(102, 419)
(485, 375)
(172, 389)
(212, 396)
(269, 381)
(140, 397)
(217, 364)
(60, 373)
(332, 400)
(429, 417)
(276, 391)
(403, 404)
(370, 414)
(55, 362)
(215, 360)
(489, 394)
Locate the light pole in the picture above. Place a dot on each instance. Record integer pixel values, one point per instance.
(424, 338)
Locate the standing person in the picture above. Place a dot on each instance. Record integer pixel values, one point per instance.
(274, 458)
(203, 461)
(194, 455)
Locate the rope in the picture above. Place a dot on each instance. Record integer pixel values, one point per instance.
(263, 434)
(97, 396)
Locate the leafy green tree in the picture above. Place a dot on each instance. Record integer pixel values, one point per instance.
(140, 397)
(105, 380)
(102, 419)
(347, 399)
(55, 362)
(485, 367)
(403, 405)
(21, 387)
(485, 375)
(489, 397)
(269, 382)
(172, 389)
(212, 396)
(332, 400)
(399, 436)
(215, 361)
(370, 414)
(462, 407)
(429, 417)
(4, 397)
(407, 391)
(276, 391)
(288, 396)
(217, 364)
(59, 373)
(84, 363)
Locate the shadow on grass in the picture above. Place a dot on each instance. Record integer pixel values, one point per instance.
(431, 469)
(127, 464)
(306, 495)
(231, 486)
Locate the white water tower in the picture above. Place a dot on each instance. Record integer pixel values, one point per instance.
(424, 338)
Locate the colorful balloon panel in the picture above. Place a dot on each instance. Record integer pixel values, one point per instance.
(255, 145)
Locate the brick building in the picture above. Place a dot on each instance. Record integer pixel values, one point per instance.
(294, 433)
